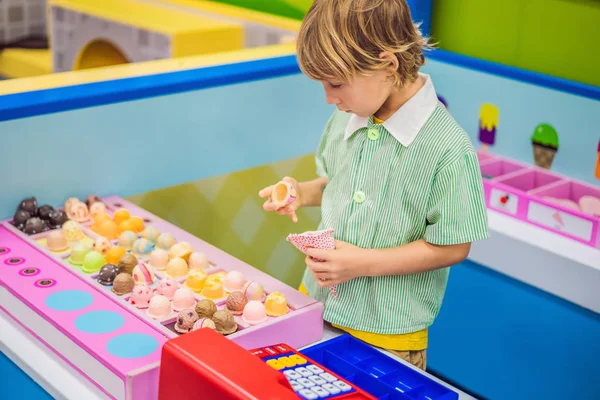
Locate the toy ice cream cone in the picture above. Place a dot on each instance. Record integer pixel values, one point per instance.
(488, 122)
(319, 240)
(545, 145)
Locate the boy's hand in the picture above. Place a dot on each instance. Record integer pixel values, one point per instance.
(291, 208)
(344, 263)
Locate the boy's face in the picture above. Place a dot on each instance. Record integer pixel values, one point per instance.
(363, 96)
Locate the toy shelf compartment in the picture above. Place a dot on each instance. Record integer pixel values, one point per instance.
(540, 197)
(375, 372)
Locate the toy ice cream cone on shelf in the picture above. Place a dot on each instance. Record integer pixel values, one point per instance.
(597, 174)
(545, 145)
(488, 122)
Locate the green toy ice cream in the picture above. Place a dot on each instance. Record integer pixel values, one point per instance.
(545, 145)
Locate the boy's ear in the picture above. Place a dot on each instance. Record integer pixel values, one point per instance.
(392, 60)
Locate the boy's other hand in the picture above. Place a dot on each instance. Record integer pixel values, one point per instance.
(290, 209)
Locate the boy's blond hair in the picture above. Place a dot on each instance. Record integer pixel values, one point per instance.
(339, 39)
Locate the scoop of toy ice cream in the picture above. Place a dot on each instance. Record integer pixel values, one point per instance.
(183, 298)
(56, 241)
(224, 322)
(254, 313)
(127, 263)
(181, 250)
(30, 205)
(159, 259)
(114, 254)
(102, 245)
(206, 308)
(123, 284)
(142, 247)
(167, 287)
(159, 307)
(236, 302)
(78, 253)
(234, 280)
(79, 212)
(35, 225)
(92, 262)
(198, 260)
(72, 231)
(165, 241)
(196, 280)
(151, 233)
(45, 211)
(107, 275)
(254, 291)
(127, 239)
(96, 208)
(57, 219)
(185, 320)
(204, 323)
(213, 289)
(177, 268)
(276, 304)
(143, 274)
(140, 296)
(121, 215)
(91, 199)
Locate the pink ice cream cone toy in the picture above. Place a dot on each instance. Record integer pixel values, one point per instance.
(314, 239)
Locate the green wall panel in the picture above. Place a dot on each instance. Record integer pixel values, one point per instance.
(226, 212)
(554, 37)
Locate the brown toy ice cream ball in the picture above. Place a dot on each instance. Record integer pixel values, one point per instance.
(206, 308)
(123, 284)
(185, 320)
(224, 322)
(127, 263)
(236, 302)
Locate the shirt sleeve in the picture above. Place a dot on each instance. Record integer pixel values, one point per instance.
(320, 159)
(456, 210)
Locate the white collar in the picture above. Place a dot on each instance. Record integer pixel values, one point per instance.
(405, 123)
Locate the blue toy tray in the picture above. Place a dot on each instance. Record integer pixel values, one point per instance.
(375, 372)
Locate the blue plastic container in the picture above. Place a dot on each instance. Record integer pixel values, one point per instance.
(375, 372)
(421, 12)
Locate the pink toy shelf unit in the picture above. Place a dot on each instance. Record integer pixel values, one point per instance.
(542, 198)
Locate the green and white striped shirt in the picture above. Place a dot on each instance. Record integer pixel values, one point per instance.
(416, 176)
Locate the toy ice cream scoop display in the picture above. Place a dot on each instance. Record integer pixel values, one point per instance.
(488, 123)
(183, 298)
(234, 281)
(78, 253)
(283, 193)
(323, 239)
(102, 245)
(165, 241)
(195, 280)
(127, 263)
(127, 239)
(72, 231)
(159, 307)
(254, 291)
(204, 323)
(159, 259)
(114, 254)
(545, 145)
(56, 241)
(92, 262)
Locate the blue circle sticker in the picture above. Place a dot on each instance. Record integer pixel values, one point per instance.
(98, 322)
(132, 345)
(69, 300)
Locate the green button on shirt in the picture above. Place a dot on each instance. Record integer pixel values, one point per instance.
(388, 189)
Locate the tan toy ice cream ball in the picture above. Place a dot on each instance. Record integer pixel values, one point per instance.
(159, 259)
(206, 308)
(97, 208)
(79, 212)
(72, 231)
(127, 263)
(123, 284)
(224, 322)
(159, 307)
(283, 193)
(56, 241)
